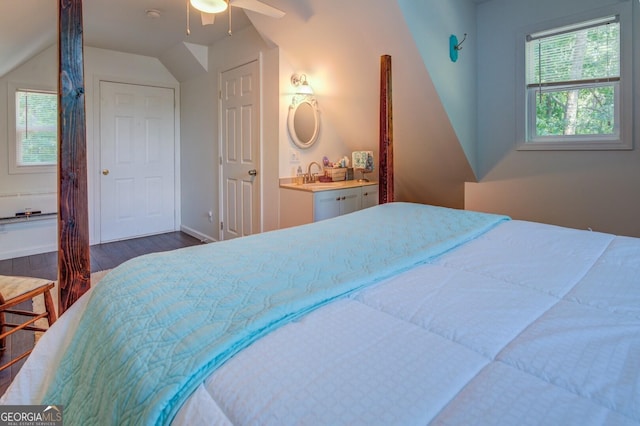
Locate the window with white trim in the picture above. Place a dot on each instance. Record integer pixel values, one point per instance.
(574, 84)
(34, 119)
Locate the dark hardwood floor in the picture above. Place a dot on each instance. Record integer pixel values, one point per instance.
(45, 265)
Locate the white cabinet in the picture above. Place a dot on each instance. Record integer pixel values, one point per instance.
(327, 204)
(369, 196)
(298, 207)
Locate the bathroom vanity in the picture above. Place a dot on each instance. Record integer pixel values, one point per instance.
(311, 202)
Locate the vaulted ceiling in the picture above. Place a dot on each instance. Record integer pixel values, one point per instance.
(29, 26)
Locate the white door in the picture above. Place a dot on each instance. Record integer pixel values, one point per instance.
(137, 151)
(240, 151)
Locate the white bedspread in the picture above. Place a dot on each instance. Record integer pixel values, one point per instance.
(528, 324)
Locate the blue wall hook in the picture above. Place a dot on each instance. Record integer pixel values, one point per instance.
(453, 52)
(454, 46)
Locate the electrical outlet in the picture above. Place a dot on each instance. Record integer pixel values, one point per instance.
(294, 156)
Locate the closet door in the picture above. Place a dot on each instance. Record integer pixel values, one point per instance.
(137, 157)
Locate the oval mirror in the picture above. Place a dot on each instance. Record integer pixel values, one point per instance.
(304, 123)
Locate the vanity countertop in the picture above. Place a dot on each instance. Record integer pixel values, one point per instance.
(325, 186)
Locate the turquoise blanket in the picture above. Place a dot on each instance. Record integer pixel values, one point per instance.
(158, 325)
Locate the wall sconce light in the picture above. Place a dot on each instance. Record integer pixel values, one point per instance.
(455, 47)
(300, 81)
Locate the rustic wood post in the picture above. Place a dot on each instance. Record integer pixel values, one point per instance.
(386, 132)
(74, 268)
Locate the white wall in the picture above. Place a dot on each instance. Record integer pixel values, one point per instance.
(36, 191)
(21, 240)
(331, 142)
(198, 156)
(201, 134)
(42, 71)
(581, 189)
(431, 23)
(338, 45)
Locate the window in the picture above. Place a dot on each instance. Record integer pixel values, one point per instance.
(35, 126)
(574, 84)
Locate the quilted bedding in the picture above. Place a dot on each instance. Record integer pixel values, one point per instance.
(189, 311)
(525, 324)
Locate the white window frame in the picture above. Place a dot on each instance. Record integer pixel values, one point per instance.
(622, 139)
(14, 167)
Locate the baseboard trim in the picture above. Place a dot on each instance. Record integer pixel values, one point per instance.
(199, 235)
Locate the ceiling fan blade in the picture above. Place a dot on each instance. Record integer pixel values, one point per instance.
(207, 18)
(258, 6)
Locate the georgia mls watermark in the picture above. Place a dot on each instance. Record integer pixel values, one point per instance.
(30, 415)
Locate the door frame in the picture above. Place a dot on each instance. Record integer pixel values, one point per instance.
(94, 150)
(261, 166)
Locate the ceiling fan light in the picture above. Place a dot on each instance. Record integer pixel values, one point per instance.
(209, 6)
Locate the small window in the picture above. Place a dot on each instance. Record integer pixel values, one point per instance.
(573, 86)
(35, 119)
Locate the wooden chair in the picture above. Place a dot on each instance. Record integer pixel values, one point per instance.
(10, 297)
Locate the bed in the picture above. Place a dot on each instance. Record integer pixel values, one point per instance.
(397, 314)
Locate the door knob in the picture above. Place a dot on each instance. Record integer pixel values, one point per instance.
(105, 171)
(253, 172)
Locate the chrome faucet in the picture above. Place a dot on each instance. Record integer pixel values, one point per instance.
(309, 178)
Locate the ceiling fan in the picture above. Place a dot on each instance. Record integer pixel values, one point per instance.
(209, 8)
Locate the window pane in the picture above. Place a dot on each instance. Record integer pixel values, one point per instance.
(591, 53)
(575, 111)
(36, 128)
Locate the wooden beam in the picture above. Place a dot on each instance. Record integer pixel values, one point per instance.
(74, 269)
(385, 174)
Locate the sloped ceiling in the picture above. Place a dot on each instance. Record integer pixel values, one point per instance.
(29, 26)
